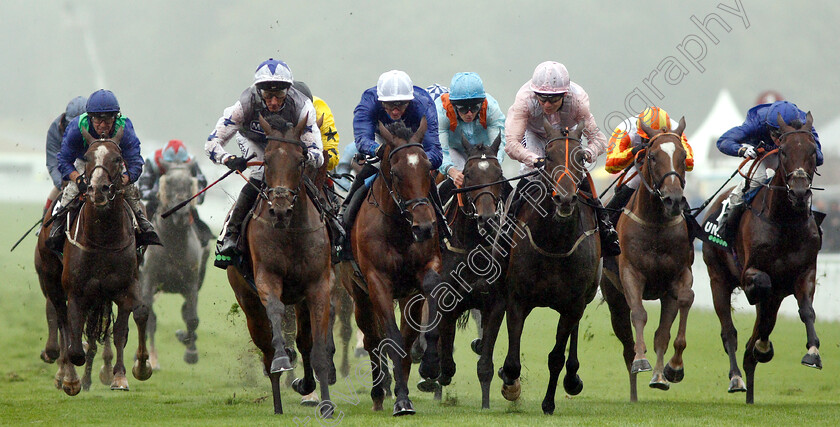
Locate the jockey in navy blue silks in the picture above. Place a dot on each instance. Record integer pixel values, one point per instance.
(393, 98)
(102, 119)
(760, 127)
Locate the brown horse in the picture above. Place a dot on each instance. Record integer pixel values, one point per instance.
(100, 267)
(469, 216)
(655, 260)
(774, 255)
(395, 242)
(289, 250)
(555, 261)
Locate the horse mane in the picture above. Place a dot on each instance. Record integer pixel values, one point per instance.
(796, 124)
(278, 123)
(400, 130)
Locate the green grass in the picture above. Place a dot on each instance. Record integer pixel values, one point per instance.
(227, 387)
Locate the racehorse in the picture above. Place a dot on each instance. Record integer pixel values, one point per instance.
(289, 251)
(774, 254)
(177, 266)
(554, 261)
(100, 267)
(655, 260)
(470, 215)
(395, 242)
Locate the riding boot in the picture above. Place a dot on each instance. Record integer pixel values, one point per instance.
(730, 220)
(359, 181)
(443, 227)
(146, 235)
(55, 241)
(609, 237)
(228, 248)
(351, 207)
(618, 202)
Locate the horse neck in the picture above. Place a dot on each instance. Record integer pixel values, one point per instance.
(173, 233)
(547, 228)
(645, 204)
(465, 229)
(103, 225)
(383, 196)
(778, 207)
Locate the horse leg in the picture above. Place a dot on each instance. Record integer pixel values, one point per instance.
(675, 370)
(556, 359)
(484, 368)
(106, 372)
(120, 382)
(89, 355)
(620, 319)
(509, 372)
(447, 346)
(661, 338)
(51, 350)
(330, 340)
(804, 293)
(344, 314)
(367, 323)
(304, 386)
(270, 295)
(289, 334)
(76, 323)
(151, 328)
(189, 312)
(411, 335)
(759, 348)
(722, 299)
(320, 332)
(430, 367)
(633, 284)
(142, 369)
(476, 344)
(572, 383)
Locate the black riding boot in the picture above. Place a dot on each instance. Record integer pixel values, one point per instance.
(366, 172)
(146, 235)
(228, 249)
(443, 227)
(609, 237)
(618, 202)
(55, 241)
(348, 217)
(730, 220)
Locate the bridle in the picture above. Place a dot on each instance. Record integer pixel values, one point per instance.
(566, 167)
(799, 172)
(113, 190)
(472, 212)
(405, 206)
(287, 193)
(657, 185)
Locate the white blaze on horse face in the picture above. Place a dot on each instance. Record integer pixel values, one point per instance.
(483, 165)
(413, 160)
(669, 148)
(99, 160)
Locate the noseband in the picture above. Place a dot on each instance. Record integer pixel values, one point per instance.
(655, 188)
(405, 206)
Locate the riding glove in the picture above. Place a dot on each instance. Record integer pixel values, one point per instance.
(236, 163)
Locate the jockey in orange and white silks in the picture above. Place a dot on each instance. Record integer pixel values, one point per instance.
(551, 95)
(628, 138)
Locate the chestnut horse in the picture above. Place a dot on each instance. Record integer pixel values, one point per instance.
(100, 267)
(395, 242)
(774, 255)
(555, 261)
(655, 260)
(289, 250)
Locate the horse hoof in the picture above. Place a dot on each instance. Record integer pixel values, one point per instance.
(659, 382)
(765, 356)
(292, 355)
(475, 345)
(641, 365)
(300, 386)
(812, 361)
(377, 406)
(49, 356)
(428, 386)
(281, 364)
(327, 410)
(106, 375)
(417, 353)
(120, 383)
(182, 336)
(512, 392)
(736, 384)
(673, 375)
(404, 407)
(333, 378)
(429, 370)
(572, 385)
(310, 400)
(142, 371)
(548, 407)
(72, 388)
(86, 383)
(444, 380)
(191, 356)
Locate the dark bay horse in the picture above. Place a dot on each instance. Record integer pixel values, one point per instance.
(177, 266)
(289, 250)
(774, 255)
(554, 262)
(395, 242)
(469, 217)
(100, 267)
(655, 260)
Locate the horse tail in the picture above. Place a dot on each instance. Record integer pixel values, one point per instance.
(99, 320)
(463, 320)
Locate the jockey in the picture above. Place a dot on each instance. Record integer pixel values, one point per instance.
(760, 128)
(552, 96)
(436, 90)
(74, 109)
(173, 153)
(466, 110)
(393, 98)
(102, 119)
(626, 140)
(329, 133)
(272, 96)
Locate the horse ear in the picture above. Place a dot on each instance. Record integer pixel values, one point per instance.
(119, 135)
(385, 133)
(264, 124)
(579, 129)
(547, 126)
(809, 121)
(320, 121)
(780, 121)
(465, 143)
(421, 130)
(681, 126)
(301, 124)
(650, 132)
(494, 148)
(87, 136)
